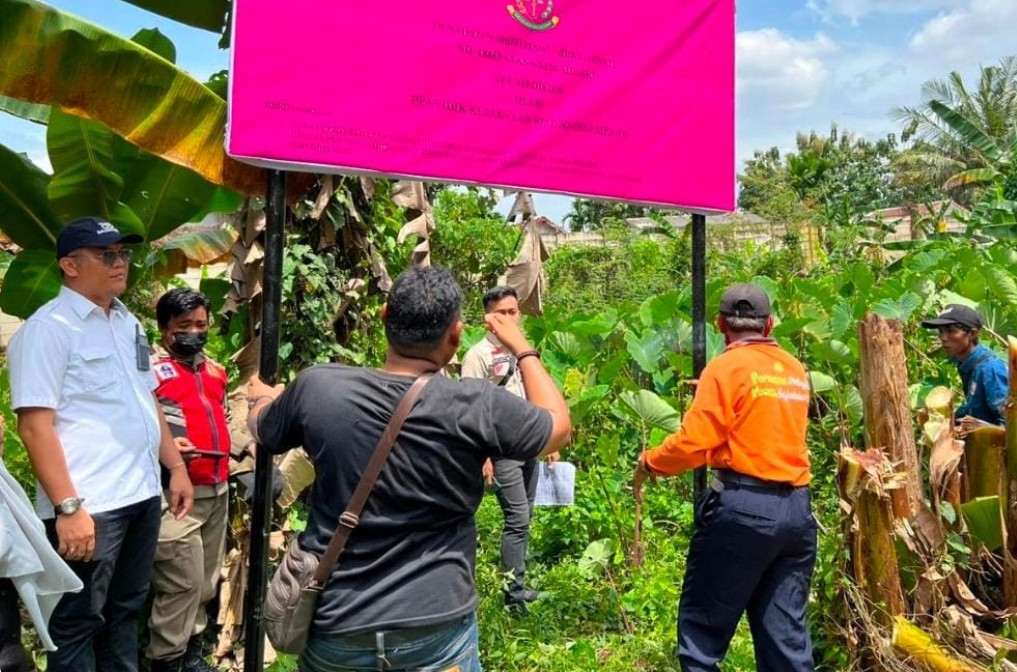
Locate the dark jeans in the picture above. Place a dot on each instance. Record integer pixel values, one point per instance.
(754, 550)
(518, 481)
(96, 629)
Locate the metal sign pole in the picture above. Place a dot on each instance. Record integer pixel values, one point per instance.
(698, 321)
(268, 369)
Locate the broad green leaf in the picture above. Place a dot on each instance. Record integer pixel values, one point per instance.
(660, 310)
(138, 94)
(1001, 284)
(567, 344)
(32, 279)
(38, 114)
(984, 520)
(81, 152)
(821, 382)
(596, 558)
(157, 43)
(165, 195)
(650, 409)
(646, 348)
(223, 201)
(841, 319)
(899, 309)
(203, 246)
(25, 212)
(206, 14)
(852, 405)
(969, 130)
(971, 177)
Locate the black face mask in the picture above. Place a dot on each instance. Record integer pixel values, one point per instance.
(189, 343)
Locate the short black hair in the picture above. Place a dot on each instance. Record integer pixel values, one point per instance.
(496, 294)
(178, 301)
(423, 303)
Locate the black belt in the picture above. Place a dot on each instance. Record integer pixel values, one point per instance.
(728, 477)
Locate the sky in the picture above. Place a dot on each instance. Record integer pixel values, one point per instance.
(802, 64)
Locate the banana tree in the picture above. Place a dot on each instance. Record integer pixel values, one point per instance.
(96, 172)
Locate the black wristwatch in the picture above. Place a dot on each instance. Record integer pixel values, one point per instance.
(69, 506)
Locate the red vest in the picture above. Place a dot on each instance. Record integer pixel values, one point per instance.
(194, 402)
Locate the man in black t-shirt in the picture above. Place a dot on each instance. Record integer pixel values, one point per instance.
(403, 595)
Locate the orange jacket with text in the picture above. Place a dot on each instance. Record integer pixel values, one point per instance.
(749, 415)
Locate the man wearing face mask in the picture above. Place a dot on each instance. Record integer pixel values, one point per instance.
(192, 392)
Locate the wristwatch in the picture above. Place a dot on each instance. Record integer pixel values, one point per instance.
(69, 506)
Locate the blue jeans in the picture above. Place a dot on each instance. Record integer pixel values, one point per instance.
(96, 629)
(753, 551)
(447, 647)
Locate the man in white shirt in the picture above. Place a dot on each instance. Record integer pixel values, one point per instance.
(82, 387)
(515, 481)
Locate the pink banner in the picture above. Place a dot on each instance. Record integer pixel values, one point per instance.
(603, 98)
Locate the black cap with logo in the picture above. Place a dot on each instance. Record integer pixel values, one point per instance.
(955, 313)
(745, 300)
(91, 232)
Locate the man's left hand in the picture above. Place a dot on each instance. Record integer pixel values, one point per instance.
(642, 473)
(181, 493)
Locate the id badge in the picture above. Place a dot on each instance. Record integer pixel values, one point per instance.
(143, 353)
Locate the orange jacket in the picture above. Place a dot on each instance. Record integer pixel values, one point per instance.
(749, 415)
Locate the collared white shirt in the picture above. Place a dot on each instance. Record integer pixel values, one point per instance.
(491, 360)
(70, 357)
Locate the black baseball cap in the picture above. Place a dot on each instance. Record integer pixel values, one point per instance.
(91, 232)
(745, 300)
(955, 313)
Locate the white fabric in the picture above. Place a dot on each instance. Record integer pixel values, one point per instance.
(70, 357)
(28, 560)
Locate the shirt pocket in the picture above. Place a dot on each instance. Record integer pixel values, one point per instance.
(93, 370)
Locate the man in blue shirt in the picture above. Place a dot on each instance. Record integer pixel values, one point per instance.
(983, 374)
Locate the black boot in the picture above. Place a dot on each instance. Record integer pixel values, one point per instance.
(12, 655)
(167, 664)
(193, 660)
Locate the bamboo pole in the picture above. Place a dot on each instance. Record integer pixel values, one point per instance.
(920, 647)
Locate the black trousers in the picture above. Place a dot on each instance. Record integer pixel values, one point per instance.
(12, 654)
(96, 629)
(754, 551)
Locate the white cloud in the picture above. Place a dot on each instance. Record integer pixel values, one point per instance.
(855, 10)
(968, 35)
(779, 72)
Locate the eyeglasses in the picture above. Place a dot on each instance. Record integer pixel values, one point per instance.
(109, 257)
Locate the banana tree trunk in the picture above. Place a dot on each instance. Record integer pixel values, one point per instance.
(985, 473)
(884, 389)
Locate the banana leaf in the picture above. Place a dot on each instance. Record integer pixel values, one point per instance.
(25, 212)
(206, 14)
(84, 182)
(32, 279)
(969, 131)
(984, 519)
(53, 58)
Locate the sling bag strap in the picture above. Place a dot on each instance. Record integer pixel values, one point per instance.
(350, 518)
(507, 376)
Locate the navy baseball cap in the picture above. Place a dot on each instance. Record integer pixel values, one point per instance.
(91, 232)
(955, 313)
(745, 300)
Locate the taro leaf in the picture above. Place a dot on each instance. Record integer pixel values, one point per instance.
(821, 382)
(646, 348)
(899, 309)
(566, 343)
(841, 319)
(25, 212)
(608, 449)
(852, 405)
(660, 310)
(596, 558)
(32, 279)
(831, 351)
(984, 521)
(81, 152)
(1001, 284)
(600, 325)
(714, 342)
(650, 409)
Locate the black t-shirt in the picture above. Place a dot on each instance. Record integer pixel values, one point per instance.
(411, 560)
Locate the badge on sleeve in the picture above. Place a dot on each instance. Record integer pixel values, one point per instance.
(165, 371)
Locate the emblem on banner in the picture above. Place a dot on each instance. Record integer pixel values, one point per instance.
(534, 14)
